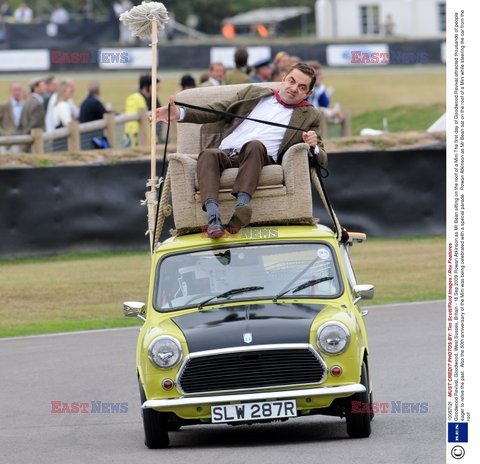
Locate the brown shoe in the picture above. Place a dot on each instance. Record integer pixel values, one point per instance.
(240, 218)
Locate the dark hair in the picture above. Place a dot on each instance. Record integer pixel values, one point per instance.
(145, 81)
(240, 57)
(187, 81)
(305, 69)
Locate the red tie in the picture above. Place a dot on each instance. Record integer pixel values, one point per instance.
(286, 105)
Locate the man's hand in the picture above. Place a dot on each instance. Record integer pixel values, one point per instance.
(162, 112)
(310, 137)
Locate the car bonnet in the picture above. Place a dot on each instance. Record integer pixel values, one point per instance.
(247, 325)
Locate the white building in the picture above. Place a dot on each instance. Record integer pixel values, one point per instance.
(360, 18)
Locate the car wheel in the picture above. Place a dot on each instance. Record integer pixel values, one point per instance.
(358, 423)
(155, 425)
(372, 414)
(174, 425)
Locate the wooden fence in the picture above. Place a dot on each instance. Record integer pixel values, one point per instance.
(38, 139)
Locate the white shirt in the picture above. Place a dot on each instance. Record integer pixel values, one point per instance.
(17, 108)
(23, 15)
(267, 109)
(50, 124)
(62, 114)
(59, 16)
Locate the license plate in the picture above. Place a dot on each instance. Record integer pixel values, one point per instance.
(253, 411)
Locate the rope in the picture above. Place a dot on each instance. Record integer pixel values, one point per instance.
(164, 209)
(139, 19)
(233, 115)
(161, 210)
(323, 196)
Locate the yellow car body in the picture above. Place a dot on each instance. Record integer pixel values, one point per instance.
(280, 332)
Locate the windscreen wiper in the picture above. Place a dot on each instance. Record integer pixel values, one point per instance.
(306, 284)
(234, 291)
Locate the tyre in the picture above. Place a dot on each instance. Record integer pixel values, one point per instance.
(358, 424)
(155, 425)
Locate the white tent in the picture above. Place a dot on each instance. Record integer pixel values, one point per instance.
(267, 15)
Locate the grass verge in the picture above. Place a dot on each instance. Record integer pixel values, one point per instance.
(400, 118)
(82, 292)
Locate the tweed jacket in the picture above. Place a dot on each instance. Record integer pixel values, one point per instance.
(237, 76)
(33, 116)
(7, 123)
(216, 127)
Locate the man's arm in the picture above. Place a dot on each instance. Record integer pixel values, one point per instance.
(198, 116)
(314, 139)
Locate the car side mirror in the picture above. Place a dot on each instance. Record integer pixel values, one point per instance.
(134, 309)
(363, 292)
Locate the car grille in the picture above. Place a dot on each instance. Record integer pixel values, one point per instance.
(250, 370)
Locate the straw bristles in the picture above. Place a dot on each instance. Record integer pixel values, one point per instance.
(139, 19)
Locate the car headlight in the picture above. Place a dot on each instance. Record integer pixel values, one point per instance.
(333, 337)
(165, 352)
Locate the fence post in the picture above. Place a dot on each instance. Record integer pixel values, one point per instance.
(142, 127)
(73, 136)
(347, 125)
(323, 125)
(110, 129)
(37, 144)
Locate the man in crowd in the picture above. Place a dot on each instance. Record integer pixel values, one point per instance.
(187, 82)
(52, 85)
(23, 14)
(92, 108)
(11, 112)
(239, 74)
(137, 100)
(216, 75)
(320, 97)
(249, 145)
(50, 124)
(33, 114)
(262, 72)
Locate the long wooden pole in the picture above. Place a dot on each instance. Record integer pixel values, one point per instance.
(153, 141)
(153, 137)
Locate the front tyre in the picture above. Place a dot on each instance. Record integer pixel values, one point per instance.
(155, 425)
(358, 423)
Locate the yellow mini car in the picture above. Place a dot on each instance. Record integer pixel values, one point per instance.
(255, 327)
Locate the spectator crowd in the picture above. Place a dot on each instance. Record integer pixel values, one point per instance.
(47, 103)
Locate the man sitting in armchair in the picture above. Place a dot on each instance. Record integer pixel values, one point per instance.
(249, 145)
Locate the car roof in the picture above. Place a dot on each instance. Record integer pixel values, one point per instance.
(270, 233)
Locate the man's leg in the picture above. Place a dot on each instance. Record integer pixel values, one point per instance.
(210, 165)
(252, 157)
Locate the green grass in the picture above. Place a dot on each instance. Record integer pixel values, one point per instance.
(400, 118)
(402, 270)
(86, 291)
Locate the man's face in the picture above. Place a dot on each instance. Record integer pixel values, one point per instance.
(217, 72)
(41, 88)
(52, 86)
(265, 72)
(16, 91)
(295, 87)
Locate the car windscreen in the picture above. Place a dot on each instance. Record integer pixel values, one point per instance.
(292, 270)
